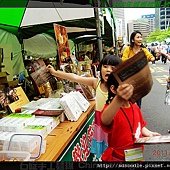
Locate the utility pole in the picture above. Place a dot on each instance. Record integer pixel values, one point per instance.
(114, 32)
(98, 30)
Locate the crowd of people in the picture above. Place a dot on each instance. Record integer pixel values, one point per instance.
(160, 52)
(118, 123)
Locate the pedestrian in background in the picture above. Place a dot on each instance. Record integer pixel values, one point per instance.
(153, 52)
(163, 51)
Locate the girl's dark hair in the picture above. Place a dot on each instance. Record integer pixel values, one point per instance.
(132, 36)
(111, 81)
(109, 59)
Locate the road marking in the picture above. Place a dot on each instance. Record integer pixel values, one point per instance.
(158, 69)
(161, 79)
(152, 70)
(165, 76)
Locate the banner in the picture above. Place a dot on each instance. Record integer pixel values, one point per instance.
(62, 44)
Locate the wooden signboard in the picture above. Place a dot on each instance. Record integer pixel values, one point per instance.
(22, 99)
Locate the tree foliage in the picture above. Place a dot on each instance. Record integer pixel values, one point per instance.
(158, 35)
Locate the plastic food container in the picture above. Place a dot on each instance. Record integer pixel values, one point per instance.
(8, 154)
(14, 156)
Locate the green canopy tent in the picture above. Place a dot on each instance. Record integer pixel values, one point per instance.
(89, 23)
(11, 27)
(27, 22)
(29, 13)
(34, 17)
(10, 19)
(37, 16)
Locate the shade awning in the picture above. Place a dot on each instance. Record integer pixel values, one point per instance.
(26, 22)
(15, 14)
(34, 16)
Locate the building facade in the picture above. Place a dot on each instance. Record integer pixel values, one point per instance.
(162, 15)
(164, 18)
(119, 16)
(141, 25)
(151, 21)
(157, 18)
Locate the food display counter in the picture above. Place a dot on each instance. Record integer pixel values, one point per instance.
(70, 141)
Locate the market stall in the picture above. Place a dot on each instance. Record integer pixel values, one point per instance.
(34, 28)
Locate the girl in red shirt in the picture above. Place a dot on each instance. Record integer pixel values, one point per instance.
(123, 122)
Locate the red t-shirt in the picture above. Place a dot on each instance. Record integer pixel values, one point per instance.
(119, 132)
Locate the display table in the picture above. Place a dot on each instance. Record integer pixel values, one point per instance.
(60, 138)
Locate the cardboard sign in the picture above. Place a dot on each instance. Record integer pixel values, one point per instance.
(154, 140)
(22, 99)
(40, 74)
(135, 71)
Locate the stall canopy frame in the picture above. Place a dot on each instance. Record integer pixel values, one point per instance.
(17, 20)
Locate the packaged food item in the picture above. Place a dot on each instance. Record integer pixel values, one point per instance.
(14, 156)
(135, 71)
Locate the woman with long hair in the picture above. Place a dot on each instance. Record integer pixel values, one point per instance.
(135, 47)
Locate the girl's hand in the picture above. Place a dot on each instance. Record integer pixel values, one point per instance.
(125, 91)
(146, 132)
(154, 134)
(50, 69)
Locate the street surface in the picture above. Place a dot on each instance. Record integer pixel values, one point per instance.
(156, 113)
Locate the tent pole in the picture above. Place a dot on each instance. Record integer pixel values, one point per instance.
(98, 30)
